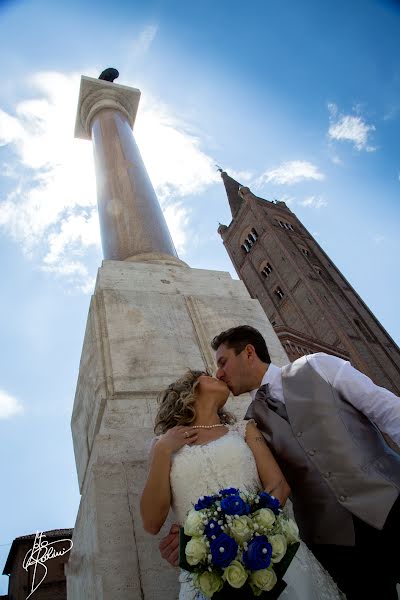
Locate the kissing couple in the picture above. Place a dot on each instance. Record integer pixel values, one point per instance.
(311, 432)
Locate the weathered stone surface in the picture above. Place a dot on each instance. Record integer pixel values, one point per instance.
(147, 324)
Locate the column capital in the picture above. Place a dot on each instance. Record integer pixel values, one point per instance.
(96, 95)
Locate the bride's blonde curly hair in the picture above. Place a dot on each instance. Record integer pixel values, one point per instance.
(176, 403)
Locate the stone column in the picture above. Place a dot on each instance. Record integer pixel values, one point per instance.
(132, 224)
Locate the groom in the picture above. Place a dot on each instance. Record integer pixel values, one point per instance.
(320, 417)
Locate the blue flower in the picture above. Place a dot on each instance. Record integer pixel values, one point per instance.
(258, 554)
(229, 492)
(212, 528)
(234, 505)
(223, 550)
(204, 502)
(268, 501)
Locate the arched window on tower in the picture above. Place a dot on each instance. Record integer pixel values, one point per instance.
(266, 269)
(279, 293)
(248, 240)
(317, 269)
(304, 251)
(253, 233)
(285, 224)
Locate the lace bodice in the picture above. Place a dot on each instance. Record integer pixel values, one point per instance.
(201, 470)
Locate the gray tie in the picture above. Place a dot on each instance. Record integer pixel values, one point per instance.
(263, 394)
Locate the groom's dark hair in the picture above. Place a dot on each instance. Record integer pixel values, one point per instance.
(238, 338)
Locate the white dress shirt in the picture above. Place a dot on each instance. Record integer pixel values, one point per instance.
(377, 403)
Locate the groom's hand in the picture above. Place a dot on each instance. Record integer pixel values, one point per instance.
(169, 546)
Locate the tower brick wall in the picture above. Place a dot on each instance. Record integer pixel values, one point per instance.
(311, 305)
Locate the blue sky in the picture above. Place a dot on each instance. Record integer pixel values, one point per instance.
(297, 100)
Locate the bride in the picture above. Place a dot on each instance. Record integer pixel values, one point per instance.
(201, 450)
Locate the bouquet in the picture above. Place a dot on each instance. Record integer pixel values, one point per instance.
(238, 544)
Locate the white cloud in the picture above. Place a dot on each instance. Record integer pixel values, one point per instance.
(52, 210)
(289, 200)
(392, 113)
(172, 155)
(10, 128)
(308, 202)
(240, 176)
(313, 202)
(76, 231)
(143, 42)
(350, 128)
(9, 406)
(177, 217)
(336, 160)
(291, 172)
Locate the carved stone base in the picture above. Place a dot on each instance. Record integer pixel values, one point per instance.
(147, 324)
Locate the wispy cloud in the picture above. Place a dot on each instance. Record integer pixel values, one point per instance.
(336, 159)
(313, 202)
(308, 202)
(143, 42)
(291, 172)
(350, 128)
(241, 176)
(52, 210)
(392, 113)
(289, 200)
(9, 406)
(172, 154)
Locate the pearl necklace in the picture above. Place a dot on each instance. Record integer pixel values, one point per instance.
(208, 426)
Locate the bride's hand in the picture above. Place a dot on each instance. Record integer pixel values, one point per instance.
(176, 437)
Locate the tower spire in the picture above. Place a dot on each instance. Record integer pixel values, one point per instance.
(232, 191)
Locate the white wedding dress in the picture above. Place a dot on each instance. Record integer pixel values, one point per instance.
(200, 470)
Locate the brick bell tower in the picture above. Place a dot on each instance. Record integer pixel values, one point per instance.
(311, 306)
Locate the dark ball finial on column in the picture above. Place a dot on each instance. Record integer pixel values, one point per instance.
(109, 74)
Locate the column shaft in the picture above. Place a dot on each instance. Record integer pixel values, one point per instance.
(131, 220)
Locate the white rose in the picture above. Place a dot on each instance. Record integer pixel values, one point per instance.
(235, 574)
(241, 529)
(264, 518)
(209, 583)
(194, 523)
(263, 580)
(290, 531)
(196, 550)
(279, 547)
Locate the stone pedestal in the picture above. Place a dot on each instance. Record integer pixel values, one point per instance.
(148, 322)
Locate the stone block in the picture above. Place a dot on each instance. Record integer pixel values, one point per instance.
(147, 324)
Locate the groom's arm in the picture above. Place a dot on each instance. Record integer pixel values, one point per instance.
(377, 403)
(169, 546)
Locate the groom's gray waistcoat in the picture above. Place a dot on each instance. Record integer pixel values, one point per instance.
(334, 459)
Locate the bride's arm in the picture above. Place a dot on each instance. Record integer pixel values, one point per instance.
(156, 496)
(271, 476)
